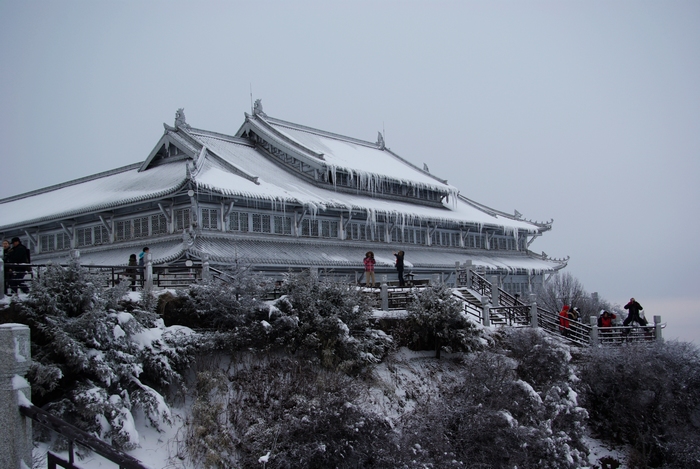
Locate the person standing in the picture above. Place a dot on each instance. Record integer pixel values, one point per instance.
(6, 270)
(605, 322)
(564, 320)
(142, 262)
(399, 267)
(18, 254)
(131, 270)
(634, 308)
(369, 268)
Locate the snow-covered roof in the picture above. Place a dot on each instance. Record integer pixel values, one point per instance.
(277, 184)
(310, 252)
(99, 192)
(235, 167)
(359, 158)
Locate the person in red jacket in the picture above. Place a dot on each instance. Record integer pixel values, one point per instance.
(564, 320)
(605, 322)
(369, 268)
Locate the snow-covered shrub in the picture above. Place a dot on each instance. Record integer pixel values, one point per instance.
(329, 320)
(222, 304)
(436, 321)
(94, 366)
(648, 397)
(490, 418)
(209, 438)
(540, 360)
(297, 415)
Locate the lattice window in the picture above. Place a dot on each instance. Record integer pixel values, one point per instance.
(83, 236)
(182, 219)
(283, 225)
(238, 221)
(309, 228)
(47, 243)
(210, 219)
(123, 230)
(159, 224)
(329, 229)
(141, 227)
(101, 235)
(62, 241)
(261, 223)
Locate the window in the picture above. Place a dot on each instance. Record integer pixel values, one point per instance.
(210, 219)
(47, 243)
(62, 241)
(159, 224)
(101, 235)
(83, 237)
(141, 227)
(182, 219)
(283, 225)
(123, 230)
(329, 229)
(261, 223)
(238, 221)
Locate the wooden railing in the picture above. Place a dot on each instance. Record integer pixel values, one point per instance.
(74, 435)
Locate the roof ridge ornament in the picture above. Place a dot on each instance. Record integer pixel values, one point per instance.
(180, 120)
(258, 108)
(380, 141)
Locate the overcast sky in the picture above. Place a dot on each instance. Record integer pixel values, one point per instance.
(585, 112)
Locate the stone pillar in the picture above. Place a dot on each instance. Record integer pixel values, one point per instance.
(148, 273)
(533, 311)
(2, 277)
(486, 310)
(657, 329)
(594, 331)
(15, 357)
(75, 257)
(384, 293)
(495, 294)
(206, 274)
(469, 267)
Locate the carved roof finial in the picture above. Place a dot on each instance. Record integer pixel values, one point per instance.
(180, 119)
(258, 109)
(380, 141)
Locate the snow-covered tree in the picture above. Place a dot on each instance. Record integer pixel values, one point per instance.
(330, 320)
(94, 365)
(436, 320)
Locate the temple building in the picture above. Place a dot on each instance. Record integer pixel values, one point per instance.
(275, 196)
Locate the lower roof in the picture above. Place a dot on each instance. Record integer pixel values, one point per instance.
(281, 254)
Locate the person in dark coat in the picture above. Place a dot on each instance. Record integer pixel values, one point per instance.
(131, 270)
(399, 267)
(6, 270)
(18, 254)
(634, 308)
(142, 262)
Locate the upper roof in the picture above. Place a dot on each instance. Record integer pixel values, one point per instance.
(233, 166)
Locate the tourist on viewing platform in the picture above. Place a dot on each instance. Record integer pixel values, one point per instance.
(5, 251)
(634, 308)
(605, 322)
(131, 270)
(18, 254)
(369, 269)
(564, 320)
(142, 262)
(399, 267)
(574, 314)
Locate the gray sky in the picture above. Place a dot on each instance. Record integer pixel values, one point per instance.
(587, 112)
